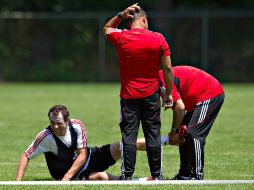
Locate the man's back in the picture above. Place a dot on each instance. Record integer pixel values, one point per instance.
(140, 52)
(193, 85)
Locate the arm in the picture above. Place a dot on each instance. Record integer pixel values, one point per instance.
(76, 166)
(116, 20)
(168, 77)
(178, 114)
(23, 163)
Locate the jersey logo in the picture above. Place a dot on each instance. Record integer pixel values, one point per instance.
(111, 30)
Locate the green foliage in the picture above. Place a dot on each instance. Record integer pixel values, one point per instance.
(72, 49)
(229, 146)
(102, 5)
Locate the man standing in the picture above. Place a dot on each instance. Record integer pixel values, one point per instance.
(198, 98)
(141, 53)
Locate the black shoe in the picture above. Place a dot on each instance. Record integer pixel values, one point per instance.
(156, 178)
(159, 178)
(199, 176)
(125, 178)
(181, 177)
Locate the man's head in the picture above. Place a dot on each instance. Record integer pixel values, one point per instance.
(139, 19)
(58, 117)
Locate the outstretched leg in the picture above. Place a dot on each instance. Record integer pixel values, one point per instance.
(102, 176)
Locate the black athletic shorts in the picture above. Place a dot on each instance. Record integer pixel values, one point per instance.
(99, 160)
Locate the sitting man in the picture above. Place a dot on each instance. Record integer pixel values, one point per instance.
(67, 155)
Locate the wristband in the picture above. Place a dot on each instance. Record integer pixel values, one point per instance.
(174, 130)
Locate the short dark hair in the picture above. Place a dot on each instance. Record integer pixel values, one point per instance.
(139, 13)
(56, 109)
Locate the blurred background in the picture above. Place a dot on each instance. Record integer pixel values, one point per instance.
(62, 40)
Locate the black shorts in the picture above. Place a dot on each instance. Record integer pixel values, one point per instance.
(200, 121)
(99, 160)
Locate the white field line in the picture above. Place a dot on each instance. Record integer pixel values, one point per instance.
(165, 182)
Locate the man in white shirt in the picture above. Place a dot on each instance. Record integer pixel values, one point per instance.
(68, 157)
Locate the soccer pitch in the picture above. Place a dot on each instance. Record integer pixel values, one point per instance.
(23, 113)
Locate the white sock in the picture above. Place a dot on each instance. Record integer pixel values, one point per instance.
(164, 140)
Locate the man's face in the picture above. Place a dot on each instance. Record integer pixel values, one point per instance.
(58, 125)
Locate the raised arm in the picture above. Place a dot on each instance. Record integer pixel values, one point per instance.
(23, 163)
(116, 20)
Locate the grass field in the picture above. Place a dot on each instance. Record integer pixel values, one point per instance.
(23, 113)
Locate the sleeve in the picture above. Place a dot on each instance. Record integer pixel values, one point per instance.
(39, 145)
(175, 94)
(165, 51)
(113, 35)
(81, 133)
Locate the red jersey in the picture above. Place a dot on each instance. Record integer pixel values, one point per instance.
(139, 52)
(193, 86)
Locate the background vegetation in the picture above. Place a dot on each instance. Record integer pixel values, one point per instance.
(62, 45)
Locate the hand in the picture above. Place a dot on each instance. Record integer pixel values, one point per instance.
(167, 101)
(128, 12)
(173, 139)
(66, 178)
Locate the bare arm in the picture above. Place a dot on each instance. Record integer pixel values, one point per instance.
(168, 77)
(178, 114)
(76, 166)
(115, 21)
(23, 163)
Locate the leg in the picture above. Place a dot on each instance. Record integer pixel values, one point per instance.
(199, 127)
(185, 150)
(130, 119)
(141, 144)
(115, 151)
(101, 159)
(102, 176)
(151, 124)
(115, 148)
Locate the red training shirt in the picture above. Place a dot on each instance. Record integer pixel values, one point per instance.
(139, 52)
(193, 86)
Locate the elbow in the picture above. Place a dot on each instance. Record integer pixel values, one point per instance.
(179, 106)
(104, 30)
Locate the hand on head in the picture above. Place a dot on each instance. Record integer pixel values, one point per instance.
(129, 11)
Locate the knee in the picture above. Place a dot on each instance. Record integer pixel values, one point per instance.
(103, 176)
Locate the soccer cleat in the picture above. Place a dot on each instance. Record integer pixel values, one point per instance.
(159, 178)
(156, 178)
(181, 177)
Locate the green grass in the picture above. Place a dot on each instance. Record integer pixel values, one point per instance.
(229, 152)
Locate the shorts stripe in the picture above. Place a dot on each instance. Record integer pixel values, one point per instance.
(161, 170)
(122, 158)
(198, 155)
(203, 111)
